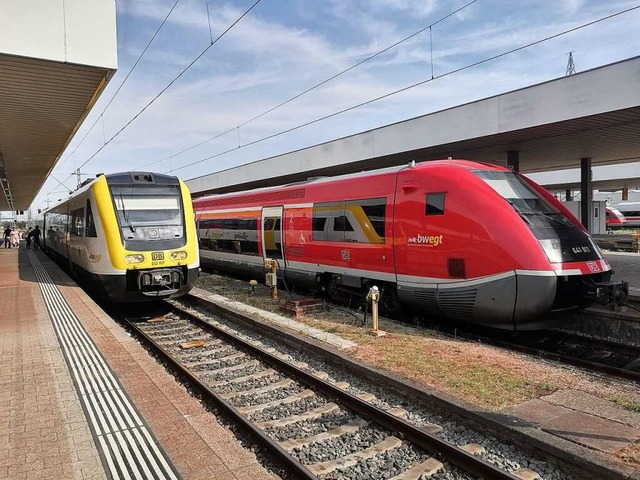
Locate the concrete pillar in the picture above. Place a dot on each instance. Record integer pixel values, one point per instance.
(586, 192)
(625, 194)
(567, 195)
(513, 160)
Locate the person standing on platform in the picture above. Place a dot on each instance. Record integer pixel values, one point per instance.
(35, 233)
(27, 237)
(7, 235)
(15, 238)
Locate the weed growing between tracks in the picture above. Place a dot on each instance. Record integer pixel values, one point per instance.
(626, 403)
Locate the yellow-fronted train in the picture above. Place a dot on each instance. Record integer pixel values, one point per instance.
(128, 237)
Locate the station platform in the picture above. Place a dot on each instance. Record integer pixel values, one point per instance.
(626, 266)
(81, 399)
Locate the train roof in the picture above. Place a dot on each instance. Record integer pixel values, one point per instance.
(131, 178)
(455, 163)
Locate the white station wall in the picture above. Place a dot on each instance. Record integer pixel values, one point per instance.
(72, 31)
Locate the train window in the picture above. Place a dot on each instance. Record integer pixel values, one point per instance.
(353, 221)
(272, 237)
(207, 224)
(342, 224)
(369, 214)
(232, 235)
(90, 224)
(76, 228)
(147, 206)
(269, 224)
(321, 227)
(317, 225)
(435, 204)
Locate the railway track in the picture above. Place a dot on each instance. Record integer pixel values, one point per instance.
(593, 354)
(311, 427)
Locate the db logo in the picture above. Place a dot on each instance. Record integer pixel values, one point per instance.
(346, 255)
(593, 266)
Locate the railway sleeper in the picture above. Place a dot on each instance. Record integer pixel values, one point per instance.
(257, 391)
(350, 427)
(323, 468)
(254, 376)
(275, 403)
(424, 469)
(310, 415)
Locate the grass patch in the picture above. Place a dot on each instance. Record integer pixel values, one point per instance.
(548, 387)
(626, 403)
(453, 366)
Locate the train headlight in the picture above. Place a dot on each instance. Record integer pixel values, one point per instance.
(552, 249)
(136, 258)
(178, 255)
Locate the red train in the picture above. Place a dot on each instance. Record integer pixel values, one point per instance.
(468, 241)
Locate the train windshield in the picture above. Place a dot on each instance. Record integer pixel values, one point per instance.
(138, 206)
(559, 237)
(535, 210)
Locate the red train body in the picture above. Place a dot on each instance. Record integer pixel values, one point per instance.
(457, 239)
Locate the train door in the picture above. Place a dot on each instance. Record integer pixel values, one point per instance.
(272, 237)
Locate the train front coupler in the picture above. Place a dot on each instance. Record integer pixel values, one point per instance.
(610, 293)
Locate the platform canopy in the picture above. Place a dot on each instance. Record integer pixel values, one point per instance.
(551, 126)
(616, 177)
(55, 59)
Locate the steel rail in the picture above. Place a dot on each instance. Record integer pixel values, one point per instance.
(560, 357)
(617, 347)
(445, 450)
(272, 448)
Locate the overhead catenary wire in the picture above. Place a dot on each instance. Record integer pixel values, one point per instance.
(409, 87)
(317, 85)
(193, 62)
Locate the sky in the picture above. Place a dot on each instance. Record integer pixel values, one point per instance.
(284, 47)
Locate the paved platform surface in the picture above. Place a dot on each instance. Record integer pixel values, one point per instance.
(626, 266)
(583, 419)
(43, 430)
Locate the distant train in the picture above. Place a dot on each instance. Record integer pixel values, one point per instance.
(615, 219)
(467, 241)
(631, 212)
(129, 236)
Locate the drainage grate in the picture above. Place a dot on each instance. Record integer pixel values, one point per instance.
(127, 448)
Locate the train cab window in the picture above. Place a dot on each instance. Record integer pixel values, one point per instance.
(435, 204)
(90, 226)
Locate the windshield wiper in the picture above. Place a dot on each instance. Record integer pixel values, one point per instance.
(546, 215)
(523, 214)
(125, 217)
(518, 211)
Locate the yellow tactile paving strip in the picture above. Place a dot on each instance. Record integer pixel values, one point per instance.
(43, 430)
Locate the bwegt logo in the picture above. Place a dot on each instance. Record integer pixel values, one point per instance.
(426, 240)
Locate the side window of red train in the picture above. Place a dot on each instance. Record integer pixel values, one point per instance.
(90, 225)
(353, 221)
(435, 204)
